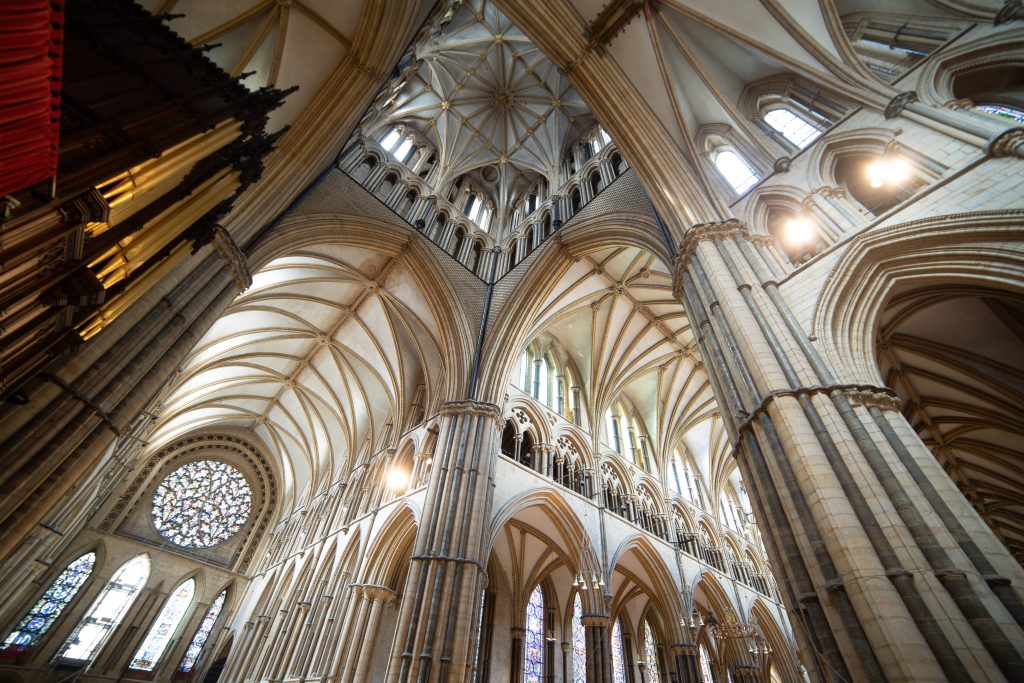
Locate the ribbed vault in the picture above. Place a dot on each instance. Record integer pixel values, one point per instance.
(488, 99)
(323, 357)
(963, 391)
(612, 310)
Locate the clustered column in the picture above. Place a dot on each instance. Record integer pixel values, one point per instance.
(883, 583)
(441, 600)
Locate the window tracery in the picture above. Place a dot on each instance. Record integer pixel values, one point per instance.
(1003, 112)
(49, 607)
(651, 653)
(106, 611)
(152, 649)
(195, 648)
(579, 642)
(618, 655)
(201, 504)
(533, 638)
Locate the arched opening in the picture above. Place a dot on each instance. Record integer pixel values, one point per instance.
(996, 90)
(617, 164)
(478, 250)
(953, 356)
(574, 200)
(460, 238)
(362, 171)
(879, 183)
(595, 183)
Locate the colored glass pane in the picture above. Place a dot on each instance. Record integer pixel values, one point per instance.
(651, 654)
(705, 666)
(1015, 115)
(618, 656)
(533, 638)
(579, 643)
(152, 648)
(106, 611)
(201, 504)
(42, 615)
(188, 662)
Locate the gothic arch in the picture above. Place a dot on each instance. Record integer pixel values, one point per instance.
(951, 249)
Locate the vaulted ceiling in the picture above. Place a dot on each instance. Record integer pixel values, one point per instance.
(487, 98)
(329, 347)
(963, 391)
(612, 312)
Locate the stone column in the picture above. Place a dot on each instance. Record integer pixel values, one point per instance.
(517, 654)
(878, 582)
(378, 597)
(440, 607)
(599, 652)
(684, 658)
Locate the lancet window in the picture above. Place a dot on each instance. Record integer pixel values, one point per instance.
(160, 634)
(195, 648)
(651, 653)
(106, 612)
(533, 638)
(49, 607)
(579, 642)
(618, 654)
(737, 172)
(705, 665)
(794, 128)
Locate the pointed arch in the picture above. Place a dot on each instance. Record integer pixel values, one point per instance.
(113, 602)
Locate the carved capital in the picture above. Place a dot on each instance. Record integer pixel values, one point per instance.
(699, 233)
(233, 258)
(486, 410)
(378, 593)
(1009, 143)
(874, 399)
(899, 103)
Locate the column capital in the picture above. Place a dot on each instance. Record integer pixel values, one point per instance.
(898, 103)
(1009, 143)
(731, 227)
(378, 593)
(468, 407)
(233, 257)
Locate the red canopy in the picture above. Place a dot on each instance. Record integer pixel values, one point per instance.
(30, 67)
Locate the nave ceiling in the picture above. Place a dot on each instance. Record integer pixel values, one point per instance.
(333, 347)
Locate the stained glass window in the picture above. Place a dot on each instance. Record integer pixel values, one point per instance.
(1015, 115)
(618, 656)
(533, 638)
(42, 615)
(651, 653)
(794, 128)
(152, 648)
(579, 643)
(188, 662)
(106, 611)
(479, 634)
(201, 504)
(705, 665)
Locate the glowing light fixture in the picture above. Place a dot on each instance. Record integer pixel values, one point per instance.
(891, 170)
(799, 231)
(397, 478)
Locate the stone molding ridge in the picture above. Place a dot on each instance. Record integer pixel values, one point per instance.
(471, 407)
(233, 257)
